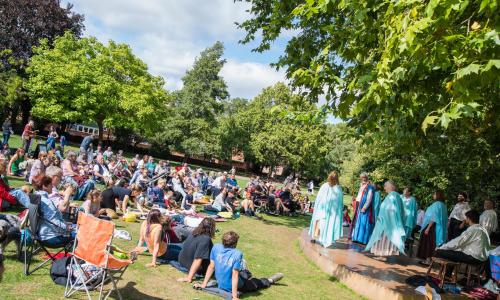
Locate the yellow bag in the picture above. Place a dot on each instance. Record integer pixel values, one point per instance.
(130, 217)
(225, 215)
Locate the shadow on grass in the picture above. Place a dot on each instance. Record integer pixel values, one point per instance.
(131, 292)
(292, 222)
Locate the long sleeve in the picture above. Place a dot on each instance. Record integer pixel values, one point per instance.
(369, 198)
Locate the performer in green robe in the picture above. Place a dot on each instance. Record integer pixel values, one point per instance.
(411, 207)
(326, 222)
(388, 237)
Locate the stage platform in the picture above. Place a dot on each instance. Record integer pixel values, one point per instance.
(373, 277)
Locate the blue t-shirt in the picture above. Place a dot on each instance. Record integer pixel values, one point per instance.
(232, 182)
(226, 259)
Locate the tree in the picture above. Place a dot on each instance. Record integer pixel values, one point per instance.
(24, 22)
(82, 80)
(11, 84)
(197, 106)
(269, 131)
(390, 66)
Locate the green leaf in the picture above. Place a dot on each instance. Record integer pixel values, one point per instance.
(470, 69)
(429, 120)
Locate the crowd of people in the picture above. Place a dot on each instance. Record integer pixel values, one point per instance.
(388, 227)
(179, 205)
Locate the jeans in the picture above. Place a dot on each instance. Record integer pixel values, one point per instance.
(61, 240)
(172, 253)
(6, 137)
(21, 197)
(134, 177)
(84, 189)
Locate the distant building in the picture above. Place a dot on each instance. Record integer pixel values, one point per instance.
(85, 130)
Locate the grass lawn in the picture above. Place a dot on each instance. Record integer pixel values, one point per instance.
(269, 246)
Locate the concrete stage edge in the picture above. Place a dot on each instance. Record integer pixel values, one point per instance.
(373, 278)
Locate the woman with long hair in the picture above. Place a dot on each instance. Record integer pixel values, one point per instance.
(195, 255)
(326, 222)
(433, 232)
(157, 241)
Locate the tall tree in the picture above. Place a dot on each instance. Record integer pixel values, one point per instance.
(83, 80)
(22, 24)
(274, 130)
(197, 105)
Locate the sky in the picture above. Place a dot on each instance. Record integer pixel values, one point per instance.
(168, 35)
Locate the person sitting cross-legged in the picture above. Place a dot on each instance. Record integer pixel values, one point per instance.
(229, 267)
(471, 247)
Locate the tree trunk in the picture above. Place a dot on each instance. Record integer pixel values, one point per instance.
(100, 125)
(26, 110)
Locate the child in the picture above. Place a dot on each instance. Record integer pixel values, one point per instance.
(347, 218)
(92, 205)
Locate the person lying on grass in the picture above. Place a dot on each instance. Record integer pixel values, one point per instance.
(157, 241)
(230, 271)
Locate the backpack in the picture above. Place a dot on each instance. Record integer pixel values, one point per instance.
(59, 270)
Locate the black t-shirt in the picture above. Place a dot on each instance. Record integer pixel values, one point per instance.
(121, 192)
(108, 199)
(196, 247)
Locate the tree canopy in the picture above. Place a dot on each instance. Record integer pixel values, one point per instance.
(395, 65)
(82, 80)
(24, 22)
(197, 106)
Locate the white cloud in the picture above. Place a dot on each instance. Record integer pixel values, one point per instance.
(169, 34)
(247, 79)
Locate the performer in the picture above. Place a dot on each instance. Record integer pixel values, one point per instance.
(488, 218)
(456, 223)
(326, 222)
(377, 200)
(411, 207)
(363, 215)
(433, 232)
(388, 237)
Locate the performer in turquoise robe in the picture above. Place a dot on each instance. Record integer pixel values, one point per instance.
(364, 220)
(433, 232)
(388, 236)
(411, 208)
(377, 200)
(326, 222)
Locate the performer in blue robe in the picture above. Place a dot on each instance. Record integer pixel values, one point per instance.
(364, 217)
(433, 232)
(411, 207)
(326, 222)
(388, 237)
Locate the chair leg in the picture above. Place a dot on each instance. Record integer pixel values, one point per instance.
(442, 275)
(430, 268)
(468, 270)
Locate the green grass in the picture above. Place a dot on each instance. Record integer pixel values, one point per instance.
(269, 246)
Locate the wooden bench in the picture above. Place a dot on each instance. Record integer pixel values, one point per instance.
(443, 266)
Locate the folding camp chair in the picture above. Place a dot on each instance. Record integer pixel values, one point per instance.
(92, 246)
(31, 243)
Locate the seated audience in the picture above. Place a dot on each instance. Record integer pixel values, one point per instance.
(230, 271)
(53, 230)
(248, 206)
(195, 253)
(101, 172)
(219, 203)
(92, 205)
(157, 241)
(14, 169)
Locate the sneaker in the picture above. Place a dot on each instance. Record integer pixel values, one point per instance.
(275, 278)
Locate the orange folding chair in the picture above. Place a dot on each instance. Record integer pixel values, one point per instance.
(92, 248)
